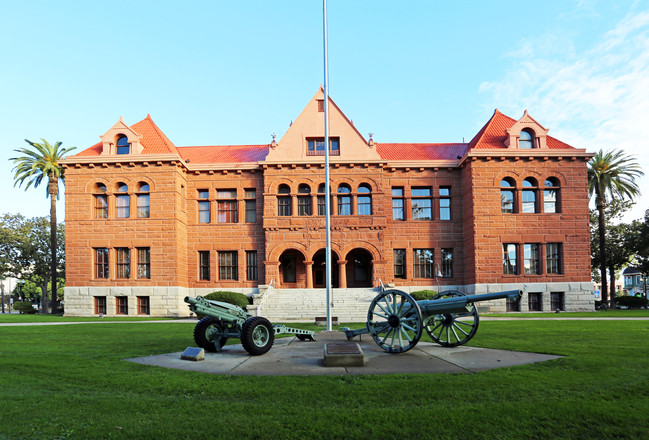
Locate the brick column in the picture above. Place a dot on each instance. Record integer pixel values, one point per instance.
(342, 276)
(308, 265)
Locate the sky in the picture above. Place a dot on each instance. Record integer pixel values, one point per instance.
(225, 72)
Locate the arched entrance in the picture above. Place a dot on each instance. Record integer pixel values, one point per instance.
(319, 266)
(359, 268)
(291, 269)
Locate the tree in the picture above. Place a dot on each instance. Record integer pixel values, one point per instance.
(620, 240)
(610, 174)
(37, 163)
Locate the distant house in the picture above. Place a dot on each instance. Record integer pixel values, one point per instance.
(634, 281)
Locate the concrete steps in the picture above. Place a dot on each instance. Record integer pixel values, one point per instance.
(284, 305)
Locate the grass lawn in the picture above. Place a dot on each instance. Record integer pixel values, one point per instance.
(71, 382)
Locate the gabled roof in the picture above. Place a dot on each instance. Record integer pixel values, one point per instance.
(494, 133)
(153, 140)
(223, 154)
(421, 151)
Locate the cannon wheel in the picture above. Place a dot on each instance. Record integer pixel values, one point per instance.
(207, 331)
(453, 329)
(257, 335)
(394, 321)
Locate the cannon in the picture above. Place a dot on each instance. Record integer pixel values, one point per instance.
(396, 321)
(223, 321)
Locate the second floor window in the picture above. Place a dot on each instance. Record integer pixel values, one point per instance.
(251, 265)
(203, 206)
(553, 258)
(101, 201)
(344, 200)
(143, 210)
(204, 265)
(399, 263)
(364, 199)
(510, 258)
(144, 263)
(304, 204)
(101, 263)
(251, 206)
(445, 203)
(447, 263)
(422, 204)
(227, 205)
(551, 195)
(507, 191)
(123, 201)
(529, 195)
(228, 269)
(284, 201)
(398, 204)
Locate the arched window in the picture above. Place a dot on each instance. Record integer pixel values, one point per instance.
(344, 200)
(526, 140)
(284, 201)
(122, 201)
(143, 210)
(529, 196)
(304, 204)
(122, 145)
(551, 195)
(507, 191)
(364, 199)
(101, 201)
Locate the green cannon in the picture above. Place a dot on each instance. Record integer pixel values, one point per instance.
(396, 321)
(223, 321)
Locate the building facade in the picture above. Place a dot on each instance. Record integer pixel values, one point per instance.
(148, 223)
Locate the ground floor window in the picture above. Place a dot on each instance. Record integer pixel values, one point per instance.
(534, 302)
(447, 262)
(204, 265)
(557, 301)
(424, 263)
(143, 305)
(123, 263)
(101, 263)
(144, 263)
(100, 305)
(510, 259)
(122, 305)
(228, 269)
(531, 258)
(399, 263)
(251, 265)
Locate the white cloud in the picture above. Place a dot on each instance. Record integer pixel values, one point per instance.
(598, 98)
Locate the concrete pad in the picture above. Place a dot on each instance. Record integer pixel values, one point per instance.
(292, 357)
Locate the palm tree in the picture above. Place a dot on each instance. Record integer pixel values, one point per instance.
(613, 174)
(38, 162)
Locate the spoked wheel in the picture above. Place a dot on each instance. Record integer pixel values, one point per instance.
(453, 329)
(257, 335)
(394, 321)
(207, 331)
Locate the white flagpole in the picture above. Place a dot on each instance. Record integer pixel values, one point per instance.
(327, 188)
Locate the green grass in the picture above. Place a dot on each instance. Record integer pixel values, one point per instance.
(37, 317)
(71, 382)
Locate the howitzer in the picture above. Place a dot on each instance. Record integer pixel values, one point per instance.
(223, 321)
(396, 321)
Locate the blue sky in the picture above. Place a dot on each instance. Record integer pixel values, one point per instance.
(219, 72)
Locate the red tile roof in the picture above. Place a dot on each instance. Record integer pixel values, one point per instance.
(224, 153)
(153, 140)
(421, 151)
(493, 134)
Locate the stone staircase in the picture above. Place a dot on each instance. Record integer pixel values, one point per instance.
(285, 305)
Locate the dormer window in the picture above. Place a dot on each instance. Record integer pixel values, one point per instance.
(316, 146)
(526, 140)
(123, 146)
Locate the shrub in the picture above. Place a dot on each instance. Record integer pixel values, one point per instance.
(634, 302)
(24, 307)
(423, 294)
(235, 298)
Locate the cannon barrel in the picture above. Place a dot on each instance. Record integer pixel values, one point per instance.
(216, 309)
(459, 304)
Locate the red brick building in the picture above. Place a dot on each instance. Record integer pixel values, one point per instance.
(148, 223)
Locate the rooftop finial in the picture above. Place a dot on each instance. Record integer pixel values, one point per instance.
(273, 144)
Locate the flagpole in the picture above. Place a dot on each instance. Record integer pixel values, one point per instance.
(327, 188)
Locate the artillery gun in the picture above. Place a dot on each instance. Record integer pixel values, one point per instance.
(223, 321)
(395, 320)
